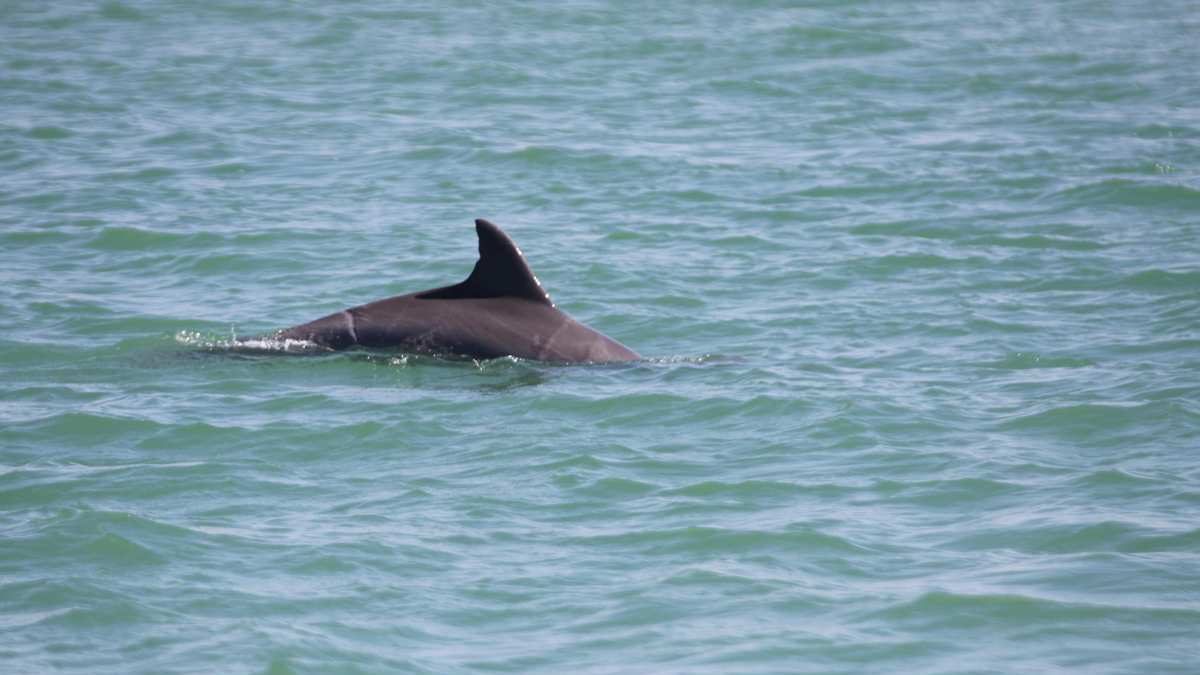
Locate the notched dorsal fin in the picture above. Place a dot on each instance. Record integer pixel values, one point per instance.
(500, 272)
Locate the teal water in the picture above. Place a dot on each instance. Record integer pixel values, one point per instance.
(918, 284)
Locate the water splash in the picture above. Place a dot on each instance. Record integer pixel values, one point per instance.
(261, 344)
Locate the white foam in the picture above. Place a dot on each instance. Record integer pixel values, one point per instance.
(257, 344)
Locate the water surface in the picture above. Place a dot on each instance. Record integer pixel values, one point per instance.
(917, 284)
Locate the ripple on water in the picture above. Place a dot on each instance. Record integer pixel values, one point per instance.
(1090, 420)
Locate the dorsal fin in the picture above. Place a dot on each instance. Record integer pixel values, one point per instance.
(500, 272)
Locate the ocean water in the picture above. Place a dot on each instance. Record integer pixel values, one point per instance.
(917, 284)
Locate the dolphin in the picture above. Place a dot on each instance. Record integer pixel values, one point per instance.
(501, 309)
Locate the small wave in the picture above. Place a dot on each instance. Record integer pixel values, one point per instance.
(1179, 542)
(987, 325)
(117, 11)
(229, 168)
(707, 580)
(717, 540)
(1124, 192)
(87, 427)
(955, 493)
(265, 345)
(1079, 538)
(696, 360)
(745, 242)
(818, 40)
(150, 173)
(1028, 360)
(50, 133)
(580, 462)
(893, 264)
(614, 488)
(753, 87)
(20, 619)
(71, 468)
(905, 228)
(1039, 242)
(684, 302)
(1158, 130)
(745, 490)
(945, 608)
(113, 548)
(122, 238)
(1088, 419)
(1117, 480)
(1163, 280)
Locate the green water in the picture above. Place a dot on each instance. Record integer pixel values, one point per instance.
(918, 284)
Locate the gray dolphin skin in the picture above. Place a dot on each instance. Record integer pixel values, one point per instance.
(500, 310)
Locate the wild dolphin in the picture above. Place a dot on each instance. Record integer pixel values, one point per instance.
(500, 310)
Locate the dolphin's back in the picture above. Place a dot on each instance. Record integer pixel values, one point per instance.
(501, 309)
